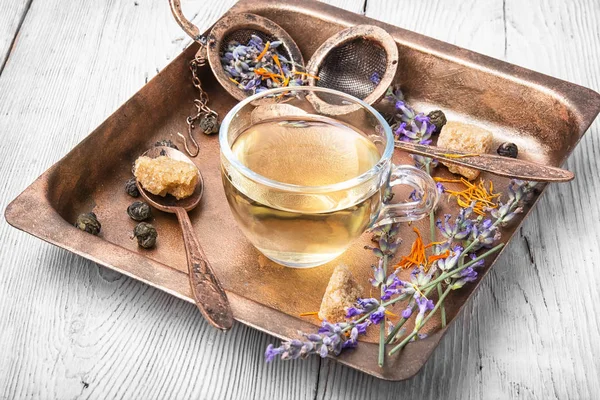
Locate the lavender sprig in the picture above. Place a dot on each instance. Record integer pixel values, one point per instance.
(330, 339)
(410, 126)
(473, 235)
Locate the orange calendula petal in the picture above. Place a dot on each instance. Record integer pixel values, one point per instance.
(306, 74)
(276, 59)
(262, 53)
(436, 257)
(448, 155)
(306, 314)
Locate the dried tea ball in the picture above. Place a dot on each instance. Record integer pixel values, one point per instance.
(131, 188)
(166, 143)
(145, 234)
(437, 118)
(88, 222)
(139, 211)
(508, 150)
(209, 124)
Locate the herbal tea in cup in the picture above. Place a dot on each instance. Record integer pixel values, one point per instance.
(303, 185)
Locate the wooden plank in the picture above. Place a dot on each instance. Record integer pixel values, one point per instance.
(532, 330)
(12, 14)
(70, 328)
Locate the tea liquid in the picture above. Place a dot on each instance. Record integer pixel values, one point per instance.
(314, 151)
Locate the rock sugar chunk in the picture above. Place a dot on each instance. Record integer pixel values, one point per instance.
(163, 175)
(342, 292)
(468, 138)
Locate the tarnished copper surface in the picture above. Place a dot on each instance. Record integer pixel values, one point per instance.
(497, 165)
(544, 116)
(185, 24)
(209, 295)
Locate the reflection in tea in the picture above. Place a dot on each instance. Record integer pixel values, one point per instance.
(313, 151)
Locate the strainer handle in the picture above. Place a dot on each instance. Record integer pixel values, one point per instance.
(425, 190)
(185, 24)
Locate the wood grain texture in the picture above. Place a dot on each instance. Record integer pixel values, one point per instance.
(12, 15)
(71, 329)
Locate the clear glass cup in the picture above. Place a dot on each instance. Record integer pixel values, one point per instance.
(306, 176)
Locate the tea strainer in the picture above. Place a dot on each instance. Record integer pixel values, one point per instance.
(237, 27)
(361, 61)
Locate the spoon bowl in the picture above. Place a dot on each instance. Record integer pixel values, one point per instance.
(169, 203)
(210, 296)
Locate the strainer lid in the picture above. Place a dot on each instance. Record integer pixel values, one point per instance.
(361, 61)
(239, 27)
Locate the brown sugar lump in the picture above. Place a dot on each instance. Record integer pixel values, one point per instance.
(342, 292)
(163, 175)
(468, 138)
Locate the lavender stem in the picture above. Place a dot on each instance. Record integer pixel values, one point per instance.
(428, 287)
(432, 236)
(381, 359)
(414, 333)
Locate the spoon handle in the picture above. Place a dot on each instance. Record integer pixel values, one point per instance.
(210, 297)
(497, 165)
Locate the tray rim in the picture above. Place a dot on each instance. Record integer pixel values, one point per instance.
(583, 101)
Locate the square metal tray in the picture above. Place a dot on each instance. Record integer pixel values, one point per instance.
(545, 116)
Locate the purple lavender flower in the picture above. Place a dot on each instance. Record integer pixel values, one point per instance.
(440, 188)
(362, 327)
(393, 282)
(353, 312)
(477, 264)
(413, 127)
(331, 339)
(352, 341)
(272, 352)
(419, 277)
(323, 351)
(519, 194)
(414, 196)
(378, 274)
(424, 305)
(253, 83)
(232, 71)
(375, 78)
(485, 233)
(367, 304)
(451, 261)
(378, 315)
(407, 312)
(469, 274)
(393, 286)
(461, 228)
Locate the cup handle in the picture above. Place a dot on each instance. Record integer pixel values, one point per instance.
(426, 191)
(185, 24)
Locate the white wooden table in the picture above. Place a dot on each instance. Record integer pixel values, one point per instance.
(72, 329)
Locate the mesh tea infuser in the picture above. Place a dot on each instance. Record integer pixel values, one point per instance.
(234, 27)
(360, 61)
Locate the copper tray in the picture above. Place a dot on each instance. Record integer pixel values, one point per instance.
(545, 116)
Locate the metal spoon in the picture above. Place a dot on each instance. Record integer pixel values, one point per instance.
(497, 165)
(210, 297)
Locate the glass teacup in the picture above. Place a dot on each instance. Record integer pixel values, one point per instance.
(306, 176)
